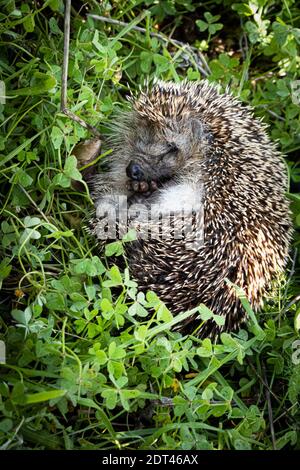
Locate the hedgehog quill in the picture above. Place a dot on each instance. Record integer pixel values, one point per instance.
(186, 147)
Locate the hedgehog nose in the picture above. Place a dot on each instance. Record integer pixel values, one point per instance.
(134, 171)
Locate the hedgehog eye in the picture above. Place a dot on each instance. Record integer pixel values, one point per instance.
(170, 148)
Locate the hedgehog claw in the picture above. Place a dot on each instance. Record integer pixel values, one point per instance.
(144, 187)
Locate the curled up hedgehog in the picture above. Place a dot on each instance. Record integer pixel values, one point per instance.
(204, 188)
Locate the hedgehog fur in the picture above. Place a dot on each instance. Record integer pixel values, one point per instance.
(206, 152)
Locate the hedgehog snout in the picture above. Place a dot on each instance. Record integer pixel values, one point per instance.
(134, 171)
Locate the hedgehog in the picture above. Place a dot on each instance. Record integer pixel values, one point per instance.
(194, 157)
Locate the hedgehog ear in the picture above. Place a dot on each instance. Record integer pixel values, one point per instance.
(200, 130)
(197, 127)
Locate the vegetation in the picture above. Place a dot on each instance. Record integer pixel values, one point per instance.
(91, 362)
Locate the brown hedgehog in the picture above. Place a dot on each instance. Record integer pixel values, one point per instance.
(199, 159)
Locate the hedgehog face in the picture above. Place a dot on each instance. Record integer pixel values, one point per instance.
(153, 155)
(161, 153)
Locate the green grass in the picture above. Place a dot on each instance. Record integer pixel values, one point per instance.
(91, 361)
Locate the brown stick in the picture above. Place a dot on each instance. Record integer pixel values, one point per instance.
(64, 78)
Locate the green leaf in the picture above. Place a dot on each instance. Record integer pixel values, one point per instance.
(101, 357)
(77, 297)
(111, 398)
(207, 394)
(6, 227)
(202, 25)
(29, 23)
(129, 236)
(205, 312)
(140, 333)
(213, 28)
(115, 277)
(80, 325)
(227, 393)
(23, 178)
(163, 313)
(137, 309)
(53, 25)
(31, 221)
(62, 180)
(161, 62)
(18, 394)
(281, 33)
(288, 437)
(115, 352)
(211, 18)
(5, 269)
(42, 83)
(241, 444)
(107, 105)
(107, 309)
(29, 234)
(146, 61)
(6, 425)
(55, 301)
(44, 396)
(58, 234)
(114, 248)
(57, 137)
(206, 349)
(294, 381)
(219, 319)
(71, 170)
(236, 413)
(54, 5)
(106, 305)
(242, 9)
(91, 292)
(130, 394)
(92, 267)
(227, 340)
(22, 317)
